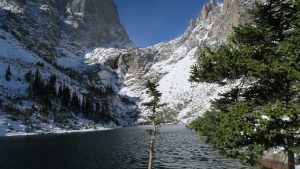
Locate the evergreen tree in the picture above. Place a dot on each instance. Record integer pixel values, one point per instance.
(97, 113)
(262, 111)
(60, 91)
(66, 96)
(28, 76)
(98, 107)
(30, 90)
(51, 86)
(153, 105)
(75, 102)
(83, 105)
(8, 74)
(88, 107)
(105, 110)
(38, 83)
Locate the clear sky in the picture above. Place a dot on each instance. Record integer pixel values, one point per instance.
(149, 22)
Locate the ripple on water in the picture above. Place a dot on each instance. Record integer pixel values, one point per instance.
(176, 148)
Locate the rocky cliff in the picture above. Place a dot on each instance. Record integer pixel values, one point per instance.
(56, 28)
(234, 12)
(169, 62)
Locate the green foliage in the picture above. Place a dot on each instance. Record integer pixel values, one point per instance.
(8, 74)
(226, 132)
(154, 104)
(262, 111)
(155, 116)
(278, 124)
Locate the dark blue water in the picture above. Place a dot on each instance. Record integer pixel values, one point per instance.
(176, 148)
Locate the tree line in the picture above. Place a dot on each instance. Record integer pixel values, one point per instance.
(48, 90)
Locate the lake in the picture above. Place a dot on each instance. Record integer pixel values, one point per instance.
(176, 148)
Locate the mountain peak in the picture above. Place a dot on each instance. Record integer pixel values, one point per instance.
(207, 9)
(213, 2)
(97, 20)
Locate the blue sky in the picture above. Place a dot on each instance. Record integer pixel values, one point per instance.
(149, 22)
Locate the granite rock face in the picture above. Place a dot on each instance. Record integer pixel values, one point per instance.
(207, 9)
(97, 21)
(55, 28)
(234, 12)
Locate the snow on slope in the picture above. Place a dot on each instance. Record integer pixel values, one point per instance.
(21, 61)
(98, 55)
(12, 52)
(102, 55)
(187, 100)
(10, 6)
(169, 63)
(10, 127)
(177, 90)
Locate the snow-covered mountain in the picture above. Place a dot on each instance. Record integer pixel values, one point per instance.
(83, 43)
(55, 38)
(169, 62)
(72, 25)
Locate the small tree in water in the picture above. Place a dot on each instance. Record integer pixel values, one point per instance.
(153, 106)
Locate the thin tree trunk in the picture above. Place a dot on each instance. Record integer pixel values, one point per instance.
(291, 160)
(150, 161)
(151, 147)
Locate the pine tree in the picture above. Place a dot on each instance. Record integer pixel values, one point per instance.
(98, 106)
(8, 74)
(97, 113)
(105, 110)
(66, 96)
(153, 105)
(28, 76)
(83, 105)
(262, 111)
(88, 107)
(52, 85)
(75, 102)
(30, 90)
(60, 91)
(38, 83)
